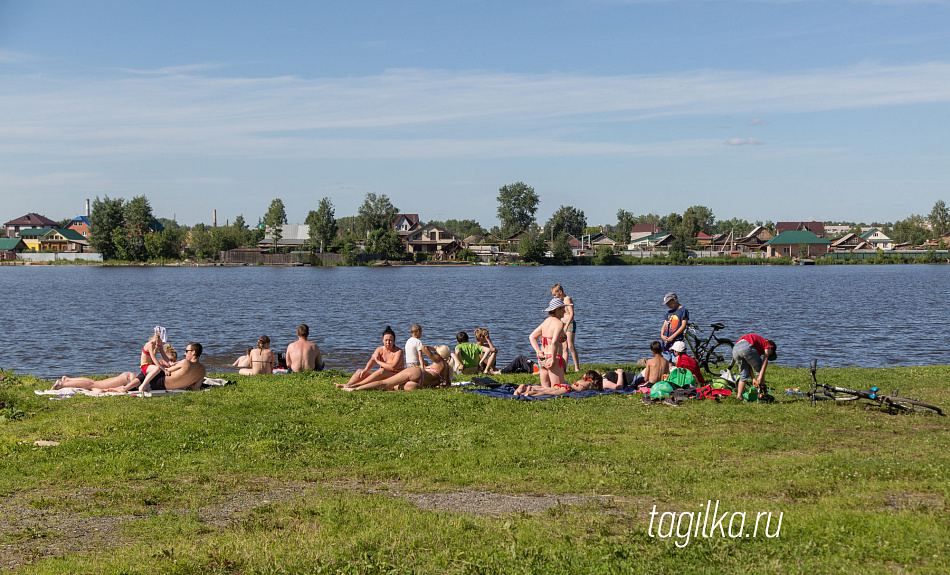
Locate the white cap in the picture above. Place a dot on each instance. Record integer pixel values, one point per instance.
(679, 347)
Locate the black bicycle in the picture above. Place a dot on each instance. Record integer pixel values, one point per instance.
(710, 352)
(891, 403)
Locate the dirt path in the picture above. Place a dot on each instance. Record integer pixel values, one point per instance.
(29, 533)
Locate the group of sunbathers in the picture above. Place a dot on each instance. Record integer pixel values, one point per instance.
(159, 369)
(302, 355)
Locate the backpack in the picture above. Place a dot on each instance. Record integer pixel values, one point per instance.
(720, 383)
(681, 377)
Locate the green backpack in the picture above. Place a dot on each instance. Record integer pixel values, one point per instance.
(681, 377)
(720, 383)
(660, 390)
(751, 394)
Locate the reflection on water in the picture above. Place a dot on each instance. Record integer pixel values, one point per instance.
(91, 320)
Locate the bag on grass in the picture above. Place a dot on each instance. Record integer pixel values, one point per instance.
(660, 390)
(681, 377)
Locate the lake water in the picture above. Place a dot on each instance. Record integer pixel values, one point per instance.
(59, 320)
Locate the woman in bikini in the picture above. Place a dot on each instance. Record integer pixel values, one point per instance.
(551, 363)
(120, 383)
(262, 358)
(592, 380)
(390, 359)
(244, 360)
(150, 362)
(570, 326)
(436, 374)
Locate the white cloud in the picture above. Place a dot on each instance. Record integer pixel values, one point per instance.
(412, 113)
(744, 142)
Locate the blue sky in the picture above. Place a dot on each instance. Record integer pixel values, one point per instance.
(758, 109)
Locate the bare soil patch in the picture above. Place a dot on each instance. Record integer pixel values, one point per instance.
(29, 532)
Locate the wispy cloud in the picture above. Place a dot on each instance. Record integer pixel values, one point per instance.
(412, 113)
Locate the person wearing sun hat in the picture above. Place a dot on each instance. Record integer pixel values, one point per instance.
(683, 360)
(551, 363)
(752, 353)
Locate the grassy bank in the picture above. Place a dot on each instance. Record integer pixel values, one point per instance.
(284, 474)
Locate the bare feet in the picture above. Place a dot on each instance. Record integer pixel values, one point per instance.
(59, 383)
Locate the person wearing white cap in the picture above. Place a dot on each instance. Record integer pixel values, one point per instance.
(551, 362)
(683, 360)
(677, 318)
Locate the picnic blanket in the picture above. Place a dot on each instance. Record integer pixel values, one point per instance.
(67, 392)
(507, 391)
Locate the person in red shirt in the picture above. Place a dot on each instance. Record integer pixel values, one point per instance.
(683, 360)
(752, 353)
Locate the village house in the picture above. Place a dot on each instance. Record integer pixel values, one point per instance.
(80, 225)
(877, 239)
(817, 228)
(10, 247)
(53, 240)
(849, 242)
(406, 222)
(294, 236)
(434, 241)
(652, 241)
(28, 222)
(640, 231)
(788, 244)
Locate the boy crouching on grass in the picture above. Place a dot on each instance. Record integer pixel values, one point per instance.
(471, 357)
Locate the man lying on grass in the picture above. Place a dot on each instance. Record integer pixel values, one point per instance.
(187, 373)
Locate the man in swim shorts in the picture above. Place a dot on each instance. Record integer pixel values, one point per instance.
(304, 355)
(188, 373)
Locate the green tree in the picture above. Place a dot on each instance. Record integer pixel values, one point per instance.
(376, 213)
(531, 247)
(604, 256)
(625, 222)
(517, 204)
(939, 219)
(671, 222)
(201, 242)
(678, 250)
(322, 224)
(105, 218)
(138, 223)
(689, 227)
(467, 255)
(705, 218)
(561, 250)
(566, 219)
(910, 230)
(386, 243)
(274, 219)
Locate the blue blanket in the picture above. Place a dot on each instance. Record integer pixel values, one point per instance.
(507, 391)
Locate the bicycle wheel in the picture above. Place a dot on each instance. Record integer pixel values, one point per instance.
(841, 393)
(720, 354)
(908, 404)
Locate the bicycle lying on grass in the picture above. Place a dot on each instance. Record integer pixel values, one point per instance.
(892, 402)
(712, 351)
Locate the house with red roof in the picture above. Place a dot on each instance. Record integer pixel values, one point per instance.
(28, 222)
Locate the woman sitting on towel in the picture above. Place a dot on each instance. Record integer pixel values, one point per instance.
(120, 383)
(592, 380)
(262, 358)
(437, 374)
(150, 363)
(390, 359)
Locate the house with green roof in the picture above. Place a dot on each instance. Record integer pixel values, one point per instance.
(10, 247)
(54, 240)
(877, 239)
(787, 244)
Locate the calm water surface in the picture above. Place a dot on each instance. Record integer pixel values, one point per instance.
(94, 320)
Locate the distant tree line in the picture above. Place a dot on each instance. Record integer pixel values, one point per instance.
(127, 230)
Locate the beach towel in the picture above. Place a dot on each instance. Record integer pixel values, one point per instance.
(67, 392)
(507, 391)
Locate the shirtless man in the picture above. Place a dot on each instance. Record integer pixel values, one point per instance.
(657, 367)
(303, 355)
(187, 373)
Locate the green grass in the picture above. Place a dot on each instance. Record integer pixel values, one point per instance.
(326, 478)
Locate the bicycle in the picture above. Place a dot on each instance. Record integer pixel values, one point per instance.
(709, 352)
(891, 402)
